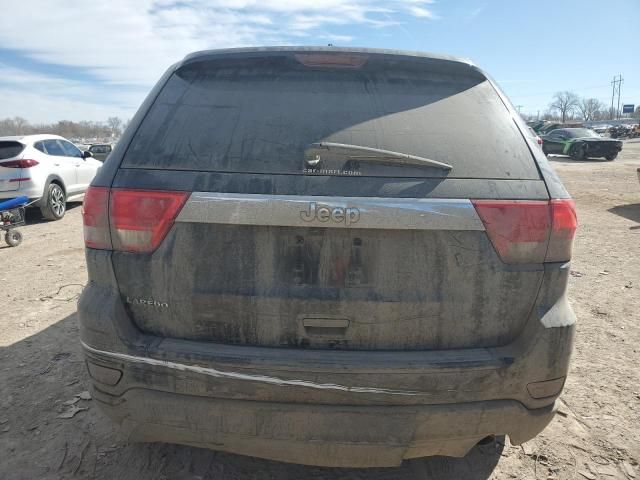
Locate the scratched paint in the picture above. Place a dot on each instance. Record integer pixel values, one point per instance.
(212, 372)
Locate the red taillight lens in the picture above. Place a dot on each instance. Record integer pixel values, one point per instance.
(540, 141)
(564, 224)
(518, 229)
(140, 219)
(529, 231)
(129, 220)
(19, 163)
(95, 217)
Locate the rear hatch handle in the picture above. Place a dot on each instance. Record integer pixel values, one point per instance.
(315, 152)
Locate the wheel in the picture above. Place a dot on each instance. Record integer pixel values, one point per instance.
(55, 203)
(579, 152)
(13, 238)
(611, 156)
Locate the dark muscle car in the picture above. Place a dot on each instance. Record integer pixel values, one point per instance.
(580, 144)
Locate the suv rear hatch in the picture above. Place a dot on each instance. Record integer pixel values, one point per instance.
(10, 167)
(324, 201)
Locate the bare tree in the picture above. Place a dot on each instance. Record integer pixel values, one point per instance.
(564, 103)
(20, 125)
(590, 108)
(601, 114)
(115, 125)
(14, 126)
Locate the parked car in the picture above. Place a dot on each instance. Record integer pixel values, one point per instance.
(548, 127)
(325, 271)
(47, 169)
(620, 131)
(100, 151)
(536, 125)
(580, 144)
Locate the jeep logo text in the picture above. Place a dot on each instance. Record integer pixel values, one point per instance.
(324, 213)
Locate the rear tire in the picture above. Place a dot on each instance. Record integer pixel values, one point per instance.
(55, 203)
(13, 238)
(611, 156)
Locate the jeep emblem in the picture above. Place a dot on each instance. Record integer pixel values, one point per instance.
(324, 213)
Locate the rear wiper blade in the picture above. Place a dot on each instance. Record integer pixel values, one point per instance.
(357, 152)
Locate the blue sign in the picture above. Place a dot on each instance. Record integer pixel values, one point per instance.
(628, 108)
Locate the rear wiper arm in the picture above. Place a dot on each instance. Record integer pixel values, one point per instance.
(357, 152)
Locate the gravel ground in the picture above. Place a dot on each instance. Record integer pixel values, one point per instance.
(595, 435)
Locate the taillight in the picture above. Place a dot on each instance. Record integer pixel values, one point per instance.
(19, 163)
(540, 141)
(140, 219)
(95, 218)
(564, 224)
(129, 220)
(518, 230)
(529, 231)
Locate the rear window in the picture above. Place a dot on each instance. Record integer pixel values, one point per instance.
(261, 115)
(581, 133)
(10, 149)
(100, 149)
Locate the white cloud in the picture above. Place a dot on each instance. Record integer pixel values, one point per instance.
(45, 98)
(38, 106)
(420, 12)
(131, 42)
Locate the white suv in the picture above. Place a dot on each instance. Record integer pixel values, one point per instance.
(48, 169)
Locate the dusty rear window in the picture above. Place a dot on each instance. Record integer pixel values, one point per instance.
(261, 115)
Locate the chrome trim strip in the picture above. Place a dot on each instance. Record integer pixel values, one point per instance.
(335, 212)
(212, 372)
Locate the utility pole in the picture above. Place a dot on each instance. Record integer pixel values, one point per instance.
(616, 87)
(620, 82)
(518, 107)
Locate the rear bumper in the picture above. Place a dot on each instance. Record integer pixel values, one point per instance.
(325, 435)
(32, 193)
(323, 407)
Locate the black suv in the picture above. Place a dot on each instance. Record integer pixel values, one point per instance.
(327, 256)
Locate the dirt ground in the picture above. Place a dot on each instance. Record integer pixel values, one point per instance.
(595, 435)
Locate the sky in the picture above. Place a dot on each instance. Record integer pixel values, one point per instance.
(89, 60)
